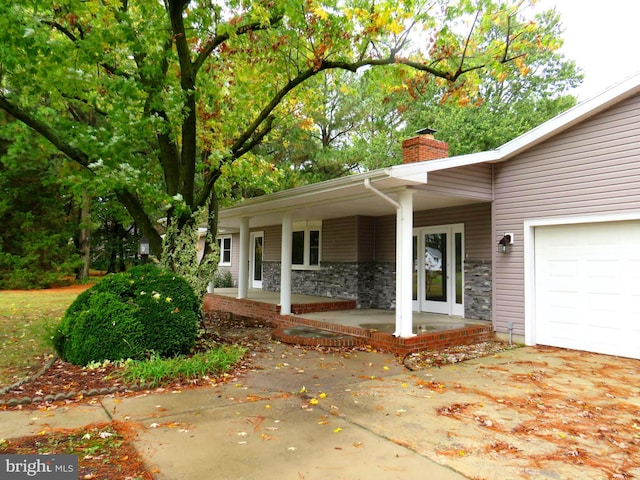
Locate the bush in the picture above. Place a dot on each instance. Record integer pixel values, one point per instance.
(222, 279)
(130, 315)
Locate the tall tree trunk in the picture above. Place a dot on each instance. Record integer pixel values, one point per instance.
(85, 236)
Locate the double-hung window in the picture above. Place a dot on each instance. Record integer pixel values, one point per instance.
(224, 244)
(305, 252)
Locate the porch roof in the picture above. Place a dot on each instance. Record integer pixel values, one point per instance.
(343, 197)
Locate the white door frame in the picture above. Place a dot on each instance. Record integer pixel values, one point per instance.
(252, 256)
(448, 307)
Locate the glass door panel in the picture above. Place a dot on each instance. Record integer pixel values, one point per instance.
(438, 283)
(435, 267)
(257, 240)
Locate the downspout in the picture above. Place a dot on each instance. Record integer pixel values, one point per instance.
(368, 186)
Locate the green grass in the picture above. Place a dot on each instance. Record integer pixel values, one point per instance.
(27, 320)
(156, 372)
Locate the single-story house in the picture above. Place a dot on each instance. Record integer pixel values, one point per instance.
(540, 237)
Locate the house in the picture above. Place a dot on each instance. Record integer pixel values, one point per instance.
(540, 237)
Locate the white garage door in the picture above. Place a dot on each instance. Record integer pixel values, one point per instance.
(588, 287)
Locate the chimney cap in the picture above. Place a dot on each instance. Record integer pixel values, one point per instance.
(426, 131)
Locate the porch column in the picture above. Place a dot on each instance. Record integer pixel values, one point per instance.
(243, 262)
(404, 265)
(285, 264)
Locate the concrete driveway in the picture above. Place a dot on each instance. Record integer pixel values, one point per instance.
(538, 413)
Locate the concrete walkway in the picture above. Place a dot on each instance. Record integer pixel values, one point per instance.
(527, 413)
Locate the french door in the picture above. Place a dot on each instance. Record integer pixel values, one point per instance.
(256, 240)
(438, 276)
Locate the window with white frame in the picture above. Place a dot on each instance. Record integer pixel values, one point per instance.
(224, 244)
(305, 251)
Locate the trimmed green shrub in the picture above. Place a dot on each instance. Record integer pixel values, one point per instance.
(130, 315)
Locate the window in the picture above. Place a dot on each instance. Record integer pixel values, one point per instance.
(224, 244)
(305, 249)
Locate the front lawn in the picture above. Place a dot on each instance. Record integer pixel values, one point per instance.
(27, 319)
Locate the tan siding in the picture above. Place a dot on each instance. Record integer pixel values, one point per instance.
(339, 240)
(471, 181)
(477, 229)
(591, 169)
(385, 239)
(272, 238)
(366, 239)
(477, 226)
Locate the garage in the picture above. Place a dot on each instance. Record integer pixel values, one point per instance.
(587, 287)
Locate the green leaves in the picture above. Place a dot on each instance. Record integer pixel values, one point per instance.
(155, 99)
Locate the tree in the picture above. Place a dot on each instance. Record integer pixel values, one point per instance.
(36, 214)
(382, 110)
(154, 99)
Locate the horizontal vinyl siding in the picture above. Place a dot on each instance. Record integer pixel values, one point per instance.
(472, 181)
(271, 249)
(339, 240)
(366, 239)
(477, 230)
(477, 226)
(385, 238)
(591, 169)
(235, 257)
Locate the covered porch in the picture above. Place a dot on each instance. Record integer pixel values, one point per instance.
(374, 327)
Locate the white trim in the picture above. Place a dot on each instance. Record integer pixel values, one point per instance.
(307, 226)
(221, 238)
(450, 307)
(252, 256)
(529, 227)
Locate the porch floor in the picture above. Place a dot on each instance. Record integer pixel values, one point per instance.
(342, 316)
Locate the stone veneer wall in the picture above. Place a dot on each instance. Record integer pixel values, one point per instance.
(384, 286)
(477, 289)
(354, 282)
(350, 281)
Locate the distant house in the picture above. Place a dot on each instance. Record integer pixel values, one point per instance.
(567, 194)
(433, 259)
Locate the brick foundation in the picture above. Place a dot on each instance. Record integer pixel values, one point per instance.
(385, 341)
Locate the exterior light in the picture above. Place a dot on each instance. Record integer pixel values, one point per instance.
(505, 243)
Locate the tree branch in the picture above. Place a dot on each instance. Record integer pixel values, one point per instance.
(218, 40)
(45, 130)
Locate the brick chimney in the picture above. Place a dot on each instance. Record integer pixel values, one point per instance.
(423, 147)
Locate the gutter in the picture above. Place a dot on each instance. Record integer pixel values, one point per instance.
(368, 186)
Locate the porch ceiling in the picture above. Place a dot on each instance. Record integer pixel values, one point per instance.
(340, 198)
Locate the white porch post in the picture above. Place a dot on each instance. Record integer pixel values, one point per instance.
(404, 265)
(285, 264)
(243, 262)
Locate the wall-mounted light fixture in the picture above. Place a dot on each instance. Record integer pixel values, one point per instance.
(505, 243)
